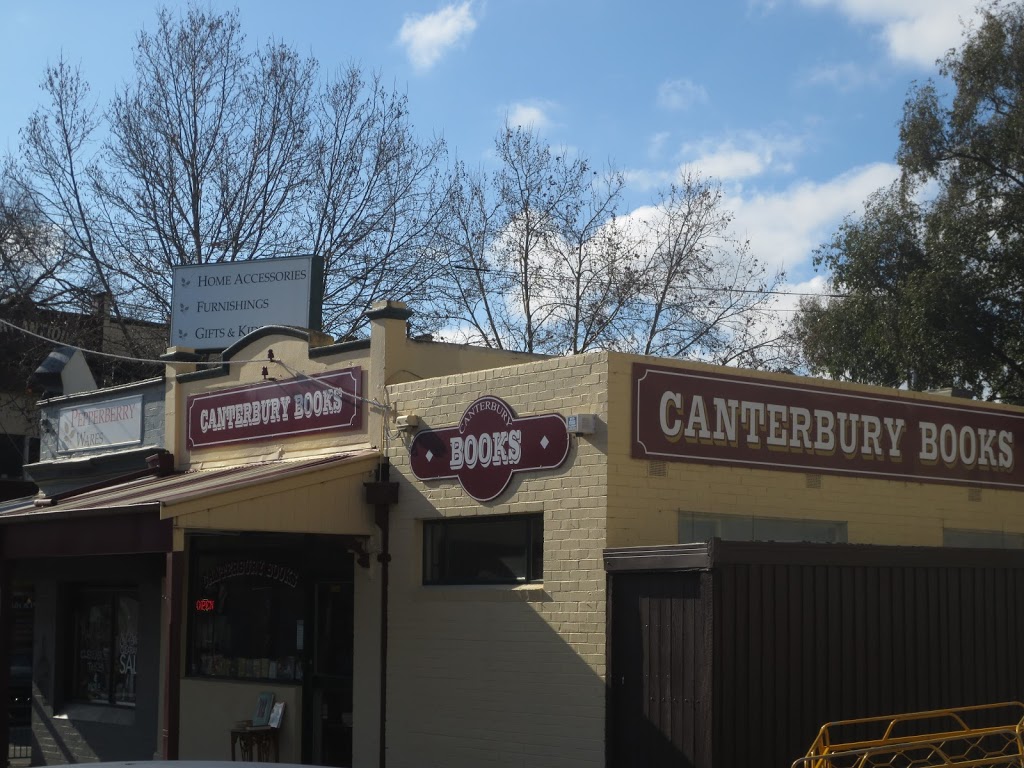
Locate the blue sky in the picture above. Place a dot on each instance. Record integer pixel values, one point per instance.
(792, 104)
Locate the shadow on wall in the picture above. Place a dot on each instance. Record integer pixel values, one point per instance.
(65, 731)
(740, 664)
(500, 675)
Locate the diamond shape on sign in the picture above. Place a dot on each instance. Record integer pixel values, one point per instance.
(544, 442)
(430, 455)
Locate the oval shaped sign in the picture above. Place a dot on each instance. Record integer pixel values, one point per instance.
(488, 446)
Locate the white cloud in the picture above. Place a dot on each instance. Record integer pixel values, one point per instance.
(792, 293)
(533, 114)
(761, 7)
(845, 76)
(680, 94)
(656, 145)
(729, 162)
(915, 31)
(427, 38)
(645, 180)
(741, 156)
(785, 227)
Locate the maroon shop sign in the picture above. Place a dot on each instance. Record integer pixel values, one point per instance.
(722, 419)
(488, 446)
(323, 403)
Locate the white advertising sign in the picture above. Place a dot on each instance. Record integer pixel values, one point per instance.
(100, 425)
(214, 305)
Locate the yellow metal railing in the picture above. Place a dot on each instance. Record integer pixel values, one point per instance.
(940, 737)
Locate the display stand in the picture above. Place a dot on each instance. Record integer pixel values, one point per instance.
(255, 742)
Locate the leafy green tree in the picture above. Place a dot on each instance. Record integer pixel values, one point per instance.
(930, 280)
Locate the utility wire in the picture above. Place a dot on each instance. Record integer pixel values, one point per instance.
(327, 385)
(127, 358)
(722, 289)
(273, 360)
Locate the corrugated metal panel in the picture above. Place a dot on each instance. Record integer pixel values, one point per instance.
(149, 493)
(676, 557)
(207, 482)
(837, 632)
(813, 644)
(661, 684)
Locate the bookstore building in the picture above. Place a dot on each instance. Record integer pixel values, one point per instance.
(405, 552)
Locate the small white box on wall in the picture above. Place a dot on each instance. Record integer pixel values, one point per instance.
(581, 423)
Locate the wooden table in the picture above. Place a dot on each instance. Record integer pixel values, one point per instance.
(255, 742)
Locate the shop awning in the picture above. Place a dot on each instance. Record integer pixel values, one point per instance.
(323, 495)
(316, 495)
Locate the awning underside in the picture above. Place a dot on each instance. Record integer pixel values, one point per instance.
(318, 495)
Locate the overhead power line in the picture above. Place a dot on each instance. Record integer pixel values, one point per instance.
(114, 356)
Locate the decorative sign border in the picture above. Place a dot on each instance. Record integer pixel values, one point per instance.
(716, 418)
(489, 445)
(322, 403)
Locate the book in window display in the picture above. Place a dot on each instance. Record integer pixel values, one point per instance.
(276, 715)
(264, 705)
(244, 610)
(286, 668)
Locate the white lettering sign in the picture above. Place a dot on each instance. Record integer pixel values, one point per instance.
(490, 448)
(795, 429)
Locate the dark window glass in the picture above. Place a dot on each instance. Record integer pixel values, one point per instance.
(33, 450)
(15, 452)
(247, 615)
(959, 537)
(106, 646)
(126, 649)
(487, 550)
(695, 527)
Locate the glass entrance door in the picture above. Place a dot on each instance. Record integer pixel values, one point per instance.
(331, 715)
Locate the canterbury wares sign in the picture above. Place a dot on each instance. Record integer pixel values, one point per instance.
(722, 419)
(323, 403)
(488, 446)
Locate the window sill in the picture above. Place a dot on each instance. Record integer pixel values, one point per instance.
(280, 683)
(98, 713)
(484, 593)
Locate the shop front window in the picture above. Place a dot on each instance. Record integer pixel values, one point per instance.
(246, 617)
(106, 627)
(696, 526)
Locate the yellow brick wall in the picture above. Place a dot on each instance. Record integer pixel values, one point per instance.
(644, 509)
(503, 675)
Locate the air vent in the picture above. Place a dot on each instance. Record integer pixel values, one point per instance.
(813, 481)
(974, 494)
(656, 468)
